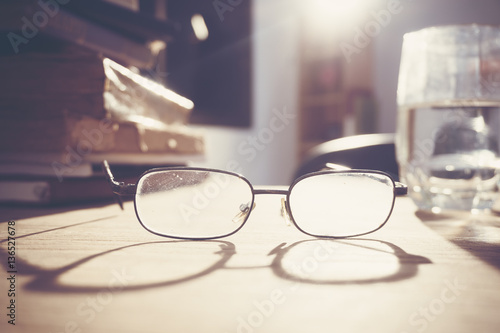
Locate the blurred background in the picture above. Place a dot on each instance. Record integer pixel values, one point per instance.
(243, 85)
(299, 64)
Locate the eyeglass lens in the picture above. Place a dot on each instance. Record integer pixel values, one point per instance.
(341, 204)
(192, 203)
(199, 204)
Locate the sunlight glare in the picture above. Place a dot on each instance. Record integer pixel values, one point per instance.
(323, 16)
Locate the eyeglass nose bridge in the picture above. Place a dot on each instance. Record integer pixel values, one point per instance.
(284, 204)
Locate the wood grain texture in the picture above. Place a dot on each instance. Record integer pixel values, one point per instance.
(95, 269)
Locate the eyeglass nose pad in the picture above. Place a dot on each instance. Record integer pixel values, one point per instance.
(244, 211)
(285, 213)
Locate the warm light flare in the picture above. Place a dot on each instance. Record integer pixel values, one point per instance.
(144, 82)
(199, 27)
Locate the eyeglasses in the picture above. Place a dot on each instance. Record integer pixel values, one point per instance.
(199, 203)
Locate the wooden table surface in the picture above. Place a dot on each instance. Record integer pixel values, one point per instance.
(95, 269)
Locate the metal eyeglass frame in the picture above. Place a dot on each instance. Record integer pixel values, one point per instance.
(121, 189)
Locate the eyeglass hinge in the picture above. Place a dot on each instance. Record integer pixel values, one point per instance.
(401, 189)
(121, 188)
(118, 188)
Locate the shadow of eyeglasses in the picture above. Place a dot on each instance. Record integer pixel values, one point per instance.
(348, 261)
(305, 254)
(53, 280)
(319, 261)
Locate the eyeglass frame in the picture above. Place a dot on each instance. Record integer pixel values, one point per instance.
(121, 189)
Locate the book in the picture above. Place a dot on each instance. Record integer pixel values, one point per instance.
(50, 106)
(126, 21)
(37, 168)
(46, 160)
(51, 191)
(26, 188)
(56, 134)
(52, 79)
(24, 20)
(54, 167)
(83, 135)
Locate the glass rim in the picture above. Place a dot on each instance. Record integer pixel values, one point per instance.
(444, 27)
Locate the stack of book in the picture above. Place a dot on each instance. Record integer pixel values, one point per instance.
(69, 99)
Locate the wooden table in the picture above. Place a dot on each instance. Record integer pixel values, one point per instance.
(95, 269)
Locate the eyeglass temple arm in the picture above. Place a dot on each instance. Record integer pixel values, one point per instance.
(400, 188)
(119, 188)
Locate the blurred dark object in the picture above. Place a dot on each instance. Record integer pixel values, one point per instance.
(65, 104)
(367, 151)
(214, 73)
(469, 135)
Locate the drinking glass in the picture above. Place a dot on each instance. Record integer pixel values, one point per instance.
(447, 137)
